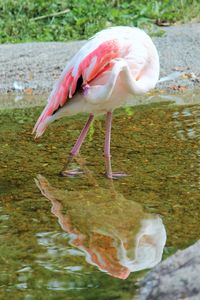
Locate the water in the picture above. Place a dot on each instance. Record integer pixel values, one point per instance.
(41, 256)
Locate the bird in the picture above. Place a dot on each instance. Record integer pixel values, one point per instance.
(109, 70)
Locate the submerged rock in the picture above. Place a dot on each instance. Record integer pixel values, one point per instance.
(178, 277)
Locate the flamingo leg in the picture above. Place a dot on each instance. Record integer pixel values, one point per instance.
(76, 148)
(107, 155)
(107, 145)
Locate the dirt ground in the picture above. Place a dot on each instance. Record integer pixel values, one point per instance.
(36, 66)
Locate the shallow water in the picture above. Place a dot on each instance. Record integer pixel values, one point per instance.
(158, 145)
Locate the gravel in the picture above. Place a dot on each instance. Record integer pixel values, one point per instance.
(36, 66)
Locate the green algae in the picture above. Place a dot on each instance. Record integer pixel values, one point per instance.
(158, 146)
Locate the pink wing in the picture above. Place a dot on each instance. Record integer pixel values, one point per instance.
(88, 67)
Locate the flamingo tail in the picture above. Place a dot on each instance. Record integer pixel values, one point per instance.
(42, 126)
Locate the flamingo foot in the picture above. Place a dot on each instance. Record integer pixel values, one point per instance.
(116, 175)
(71, 173)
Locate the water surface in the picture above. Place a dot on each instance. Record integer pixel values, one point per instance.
(158, 145)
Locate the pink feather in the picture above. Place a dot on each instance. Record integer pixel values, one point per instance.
(67, 84)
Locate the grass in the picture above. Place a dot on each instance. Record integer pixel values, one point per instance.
(58, 20)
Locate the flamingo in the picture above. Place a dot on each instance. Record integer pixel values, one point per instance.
(118, 248)
(111, 69)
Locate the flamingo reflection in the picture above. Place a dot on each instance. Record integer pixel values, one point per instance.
(115, 234)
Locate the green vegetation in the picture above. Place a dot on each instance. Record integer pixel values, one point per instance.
(47, 20)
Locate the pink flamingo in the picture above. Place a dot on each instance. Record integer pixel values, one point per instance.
(109, 70)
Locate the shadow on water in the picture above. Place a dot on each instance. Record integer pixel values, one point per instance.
(159, 149)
